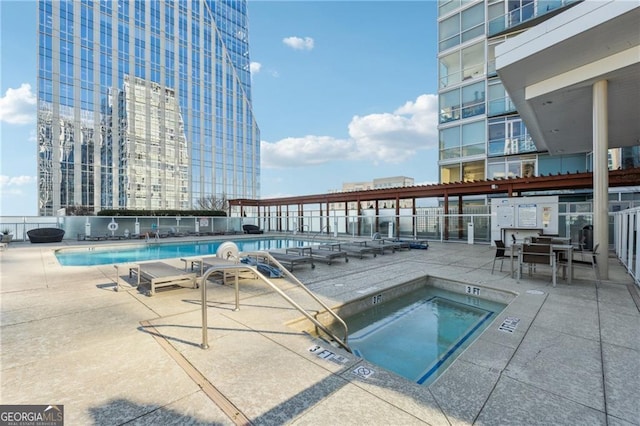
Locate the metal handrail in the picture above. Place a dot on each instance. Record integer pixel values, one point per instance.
(313, 237)
(241, 267)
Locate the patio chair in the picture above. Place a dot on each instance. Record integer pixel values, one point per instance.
(588, 259)
(500, 254)
(538, 254)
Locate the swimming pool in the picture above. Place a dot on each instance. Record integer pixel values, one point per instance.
(96, 255)
(419, 334)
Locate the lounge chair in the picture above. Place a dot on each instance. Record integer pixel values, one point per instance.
(160, 274)
(292, 259)
(320, 253)
(200, 264)
(95, 237)
(45, 235)
(359, 250)
(384, 245)
(399, 244)
(252, 229)
(173, 232)
(262, 267)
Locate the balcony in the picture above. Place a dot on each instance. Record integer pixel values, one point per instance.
(501, 106)
(526, 15)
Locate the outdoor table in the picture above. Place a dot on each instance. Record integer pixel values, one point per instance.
(516, 251)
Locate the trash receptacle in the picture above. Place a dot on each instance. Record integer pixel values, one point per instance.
(587, 237)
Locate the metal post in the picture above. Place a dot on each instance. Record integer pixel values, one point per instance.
(237, 285)
(205, 337)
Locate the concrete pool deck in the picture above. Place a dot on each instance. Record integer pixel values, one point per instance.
(115, 357)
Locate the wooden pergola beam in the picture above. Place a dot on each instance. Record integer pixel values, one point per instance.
(568, 181)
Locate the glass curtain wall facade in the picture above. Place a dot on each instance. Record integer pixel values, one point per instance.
(144, 104)
(481, 134)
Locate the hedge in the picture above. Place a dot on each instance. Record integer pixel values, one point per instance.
(127, 212)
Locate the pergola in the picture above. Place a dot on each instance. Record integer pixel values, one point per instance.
(458, 190)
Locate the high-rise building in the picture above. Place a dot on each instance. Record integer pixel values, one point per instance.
(481, 134)
(144, 104)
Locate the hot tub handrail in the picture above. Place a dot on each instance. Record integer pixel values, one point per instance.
(305, 289)
(242, 267)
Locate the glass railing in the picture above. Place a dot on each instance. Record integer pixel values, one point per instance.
(468, 73)
(510, 146)
(421, 222)
(523, 14)
(501, 106)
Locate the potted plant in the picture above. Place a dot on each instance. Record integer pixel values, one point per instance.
(7, 236)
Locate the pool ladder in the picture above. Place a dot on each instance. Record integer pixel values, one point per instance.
(238, 267)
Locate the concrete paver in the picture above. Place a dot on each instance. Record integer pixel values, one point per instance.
(68, 338)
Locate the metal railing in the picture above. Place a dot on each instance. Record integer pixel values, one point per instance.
(527, 12)
(239, 267)
(626, 241)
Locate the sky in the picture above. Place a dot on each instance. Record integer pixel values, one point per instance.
(343, 91)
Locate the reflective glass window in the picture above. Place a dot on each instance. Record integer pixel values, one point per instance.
(473, 138)
(473, 171)
(450, 173)
(472, 22)
(450, 106)
(473, 99)
(450, 143)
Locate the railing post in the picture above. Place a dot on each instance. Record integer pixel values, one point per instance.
(205, 336)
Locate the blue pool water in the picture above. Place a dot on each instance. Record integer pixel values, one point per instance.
(418, 335)
(141, 252)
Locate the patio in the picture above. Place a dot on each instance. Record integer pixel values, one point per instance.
(114, 357)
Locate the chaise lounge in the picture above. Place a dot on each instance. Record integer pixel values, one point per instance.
(252, 229)
(160, 274)
(45, 235)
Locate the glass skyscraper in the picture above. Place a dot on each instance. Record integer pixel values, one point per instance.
(144, 104)
(481, 134)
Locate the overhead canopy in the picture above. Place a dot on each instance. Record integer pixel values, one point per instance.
(549, 71)
(497, 187)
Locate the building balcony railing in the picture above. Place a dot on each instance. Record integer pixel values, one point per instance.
(523, 14)
(501, 106)
(454, 78)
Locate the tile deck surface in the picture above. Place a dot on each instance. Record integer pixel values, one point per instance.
(114, 357)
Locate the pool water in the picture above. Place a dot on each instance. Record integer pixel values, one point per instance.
(419, 334)
(142, 252)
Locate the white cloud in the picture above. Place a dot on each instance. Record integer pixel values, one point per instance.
(18, 106)
(12, 185)
(255, 67)
(384, 137)
(298, 43)
(395, 137)
(307, 150)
